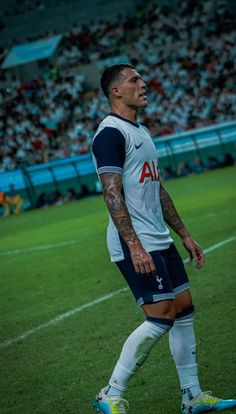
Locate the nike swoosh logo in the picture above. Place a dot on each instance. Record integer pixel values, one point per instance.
(138, 146)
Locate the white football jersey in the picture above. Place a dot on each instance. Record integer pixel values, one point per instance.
(123, 147)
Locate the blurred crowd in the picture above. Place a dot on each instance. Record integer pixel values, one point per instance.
(187, 60)
(35, 120)
(192, 84)
(24, 7)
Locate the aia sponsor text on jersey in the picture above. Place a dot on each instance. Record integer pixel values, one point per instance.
(150, 170)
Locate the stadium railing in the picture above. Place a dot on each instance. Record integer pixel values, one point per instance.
(75, 172)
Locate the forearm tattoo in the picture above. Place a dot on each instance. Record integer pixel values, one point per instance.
(169, 212)
(112, 187)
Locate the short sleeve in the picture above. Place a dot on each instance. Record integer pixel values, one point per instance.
(109, 151)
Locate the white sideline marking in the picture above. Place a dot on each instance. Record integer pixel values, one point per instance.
(38, 248)
(65, 315)
(220, 244)
(59, 318)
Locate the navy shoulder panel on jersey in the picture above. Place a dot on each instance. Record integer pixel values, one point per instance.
(109, 150)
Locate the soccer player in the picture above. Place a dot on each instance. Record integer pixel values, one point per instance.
(139, 242)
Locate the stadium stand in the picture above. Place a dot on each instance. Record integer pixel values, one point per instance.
(188, 65)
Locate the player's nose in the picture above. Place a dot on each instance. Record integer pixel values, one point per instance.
(142, 84)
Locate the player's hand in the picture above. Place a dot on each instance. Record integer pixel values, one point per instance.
(142, 260)
(194, 250)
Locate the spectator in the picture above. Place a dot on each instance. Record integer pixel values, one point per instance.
(57, 199)
(70, 195)
(2, 199)
(42, 201)
(13, 199)
(84, 191)
(183, 169)
(198, 167)
(168, 173)
(228, 161)
(212, 163)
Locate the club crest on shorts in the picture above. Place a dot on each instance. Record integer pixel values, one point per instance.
(159, 280)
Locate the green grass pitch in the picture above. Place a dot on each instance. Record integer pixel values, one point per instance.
(59, 368)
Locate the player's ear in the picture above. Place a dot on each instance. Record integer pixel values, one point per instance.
(116, 92)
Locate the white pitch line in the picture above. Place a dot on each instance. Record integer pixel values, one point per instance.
(59, 318)
(39, 248)
(220, 244)
(216, 246)
(72, 312)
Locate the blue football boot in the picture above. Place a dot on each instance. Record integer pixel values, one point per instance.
(110, 405)
(206, 402)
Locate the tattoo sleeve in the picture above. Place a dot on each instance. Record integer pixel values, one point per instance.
(112, 189)
(170, 214)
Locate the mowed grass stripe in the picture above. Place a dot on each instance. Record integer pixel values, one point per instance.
(72, 312)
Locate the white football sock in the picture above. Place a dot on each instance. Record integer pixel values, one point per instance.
(183, 348)
(134, 352)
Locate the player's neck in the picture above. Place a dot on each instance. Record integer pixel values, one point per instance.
(127, 113)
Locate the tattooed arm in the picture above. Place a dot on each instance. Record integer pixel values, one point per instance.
(170, 214)
(173, 219)
(112, 187)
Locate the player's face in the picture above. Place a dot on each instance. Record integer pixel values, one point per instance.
(132, 89)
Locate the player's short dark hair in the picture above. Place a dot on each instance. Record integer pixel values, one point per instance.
(110, 74)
